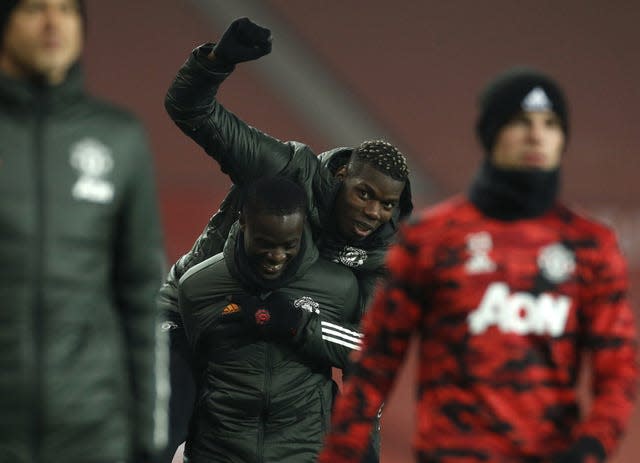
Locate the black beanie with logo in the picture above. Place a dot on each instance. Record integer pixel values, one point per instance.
(7, 7)
(516, 90)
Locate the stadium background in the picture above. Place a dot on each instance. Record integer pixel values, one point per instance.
(409, 71)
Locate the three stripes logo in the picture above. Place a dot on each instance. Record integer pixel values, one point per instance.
(341, 335)
(231, 308)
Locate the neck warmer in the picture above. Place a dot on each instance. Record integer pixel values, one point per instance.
(511, 194)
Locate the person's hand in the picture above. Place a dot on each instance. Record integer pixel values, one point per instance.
(286, 318)
(243, 41)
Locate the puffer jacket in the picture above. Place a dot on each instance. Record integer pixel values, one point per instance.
(245, 153)
(263, 401)
(81, 261)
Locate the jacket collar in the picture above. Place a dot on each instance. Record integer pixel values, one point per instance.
(31, 93)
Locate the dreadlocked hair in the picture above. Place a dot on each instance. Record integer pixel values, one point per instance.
(383, 156)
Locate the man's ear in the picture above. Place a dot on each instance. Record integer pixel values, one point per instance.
(342, 172)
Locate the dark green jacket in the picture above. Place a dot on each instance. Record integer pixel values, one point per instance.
(245, 153)
(80, 263)
(262, 401)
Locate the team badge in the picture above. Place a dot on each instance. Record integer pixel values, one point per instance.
(556, 262)
(308, 304)
(479, 245)
(262, 316)
(351, 257)
(93, 161)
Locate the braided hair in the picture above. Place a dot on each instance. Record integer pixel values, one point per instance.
(382, 156)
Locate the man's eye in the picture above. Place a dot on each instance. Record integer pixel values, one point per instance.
(388, 206)
(553, 122)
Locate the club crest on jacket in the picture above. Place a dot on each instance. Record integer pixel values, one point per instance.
(308, 304)
(351, 256)
(93, 161)
(556, 262)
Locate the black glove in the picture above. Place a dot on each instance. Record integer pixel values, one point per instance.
(243, 41)
(285, 317)
(274, 318)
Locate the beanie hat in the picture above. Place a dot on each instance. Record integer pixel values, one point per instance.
(7, 7)
(517, 89)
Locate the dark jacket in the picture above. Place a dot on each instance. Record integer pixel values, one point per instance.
(258, 400)
(245, 153)
(80, 263)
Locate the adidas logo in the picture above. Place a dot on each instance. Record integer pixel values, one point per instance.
(536, 100)
(231, 308)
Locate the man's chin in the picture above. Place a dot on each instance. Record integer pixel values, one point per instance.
(355, 239)
(270, 276)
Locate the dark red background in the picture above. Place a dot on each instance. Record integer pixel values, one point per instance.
(416, 67)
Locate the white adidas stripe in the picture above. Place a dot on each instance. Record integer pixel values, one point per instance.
(353, 339)
(342, 342)
(341, 328)
(341, 335)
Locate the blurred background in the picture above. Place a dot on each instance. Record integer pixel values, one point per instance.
(408, 71)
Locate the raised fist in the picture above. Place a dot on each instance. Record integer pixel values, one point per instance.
(243, 41)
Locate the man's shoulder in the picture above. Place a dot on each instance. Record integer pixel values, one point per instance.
(329, 276)
(333, 270)
(202, 277)
(449, 213)
(582, 224)
(110, 112)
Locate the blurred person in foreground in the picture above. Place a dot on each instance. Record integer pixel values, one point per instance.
(507, 289)
(80, 251)
(257, 317)
(357, 196)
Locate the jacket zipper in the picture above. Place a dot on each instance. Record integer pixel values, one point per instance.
(267, 398)
(38, 302)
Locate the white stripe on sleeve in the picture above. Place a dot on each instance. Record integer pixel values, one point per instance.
(341, 335)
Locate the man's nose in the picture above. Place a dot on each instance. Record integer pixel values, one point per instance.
(536, 131)
(277, 255)
(372, 210)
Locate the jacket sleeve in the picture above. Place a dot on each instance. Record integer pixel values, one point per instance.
(609, 335)
(138, 269)
(329, 341)
(329, 330)
(243, 152)
(387, 326)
